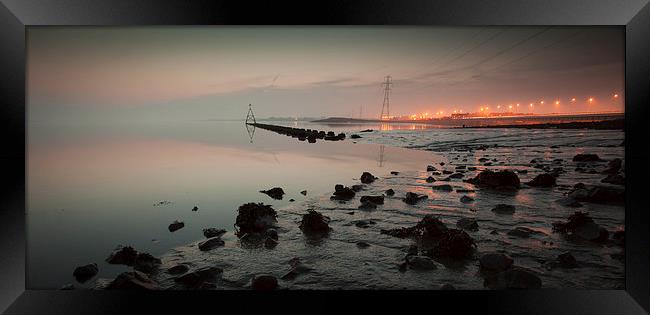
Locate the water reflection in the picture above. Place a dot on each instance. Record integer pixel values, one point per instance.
(381, 155)
(251, 131)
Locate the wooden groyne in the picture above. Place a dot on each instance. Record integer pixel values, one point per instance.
(311, 135)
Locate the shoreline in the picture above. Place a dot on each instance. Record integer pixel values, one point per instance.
(615, 124)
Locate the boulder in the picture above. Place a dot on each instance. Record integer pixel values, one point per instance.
(431, 168)
(264, 282)
(304, 193)
(542, 180)
(254, 218)
(275, 193)
(420, 263)
(498, 180)
(413, 198)
(454, 243)
(390, 192)
(430, 179)
(342, 193)
(211, 243)
(314, 223)
(176, 225)
(86, 272)
(355, 136)
(145, 262)
(445, 187)
(122, 255)
(514, 278)
(133, 280)
(394, 173)
(363, 244)
(580, 225)
(364, 223)
(201, 278)
(378, 200)
(367, 178)
(178, 269)
(469, 224)
(446, 172)
(495, 262)
(213, 232)
(195, 208)
(456, 176)
(428, 227)
(504, 209)
(586, 158)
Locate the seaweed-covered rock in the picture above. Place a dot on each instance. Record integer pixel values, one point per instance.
(275, 193)
(504, 209)
(314, 223)
(122, 255)
(86, 272)
(581, 225)
(145, 262)
(213, 232)
(211, 243)
(201, 278)
(342, 193)
(133, 280)
(378, 200)
(454, 243)
(542, 180)
(514, 278)
(429, 226)
(586, 158)
(264, 283)
(367, 178)
(497, 180)
(495, 262)
(175, 226)
(254, 218)
(413, 198)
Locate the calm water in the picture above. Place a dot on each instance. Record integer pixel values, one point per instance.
(91, 188)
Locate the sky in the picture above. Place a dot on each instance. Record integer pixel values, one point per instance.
(190, 73)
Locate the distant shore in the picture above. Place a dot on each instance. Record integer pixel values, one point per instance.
(615, 124)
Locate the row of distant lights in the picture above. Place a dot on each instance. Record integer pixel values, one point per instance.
(531, 105)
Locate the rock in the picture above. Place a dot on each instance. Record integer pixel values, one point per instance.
(378, 200)
(467, 224)
(442, 163)
(412, 250)
(264, 283)
(394, 173)
(483, 159)
(254, 218)
(566, 260)
(145, 262)
(472, 168)
(454, 243)
(357, 188)
(456, 176)
(447, 286)
(446, 172)
(542, 180)
(363, 244)
(201, 278)
(364, 223)
(367, 178)
(178, 269)
(504, 209)
(175, 226)
(275, 193)
(86, 272)
(272, 233)
(514, 278)
(431, 168)
(270, 243)
(413, 198)
(420, 263)
(461, 167)
(445, 187)
(133, 280)
(292, 200)
(619, 237)
(342, 193)
(367, 206)
(367, 130)
(520, 231)
(213, 232)
(195, 208)
(495, 262)
(390, 192)
(355, 136)
(314, 223)
(580, 225)
(615, 179)
(466, 199)
(586, 158)
(598, 194)
(613, 166)
(304, 193)
(498, 180)
(122, 255)
(430, 179)
(211, 243)
(428, 227)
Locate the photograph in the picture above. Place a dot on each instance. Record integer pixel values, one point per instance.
(325, 157)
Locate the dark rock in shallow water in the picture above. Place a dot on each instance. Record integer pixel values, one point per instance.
(378, 200)
(201, 278)
(133, 280)
(430, 179)
(413, 198)
(270, 243)
(566, 260)
(292, 200)
(211, 243)
(619, 237)
(542, 180)
(390, 192)
(467, 224)
(364, 223)
(428, 227)
(431, 168)
(466, 199)
(178, 269)
(304, 193)
(445, 187)
(357, 188)
(213, 232)
(446, 172)
(367, 206)
(580, 225)
(342, 193)
(394, 173)
(363, 244)
(420, 263)
(504, 209)
(613, 166)
(598, 194)
(367, 178)
(366, 130)
(195, 208)
(495, 262)
(314, 223)
(514, 278)
(175, 226)
(586, 158)
(456, 176)
(85, 273)
(615, 179)
(355, 136)
(454, 243)
(275, 193)
(498, 180)
(122, 255)
(146, 263)
(264, 283)
(254, 218)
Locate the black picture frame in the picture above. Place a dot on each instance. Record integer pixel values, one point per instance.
(17, 15)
